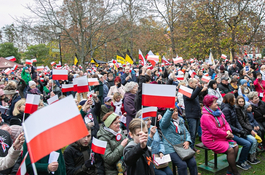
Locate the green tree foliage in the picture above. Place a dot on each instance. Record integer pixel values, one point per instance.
(40, 52)
(8, 49)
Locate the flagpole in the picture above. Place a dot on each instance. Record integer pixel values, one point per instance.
(142, 120)
(52, 85)
(23, 117)
(155, 120)
(34, 168)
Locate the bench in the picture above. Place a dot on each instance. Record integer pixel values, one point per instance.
(212, 165)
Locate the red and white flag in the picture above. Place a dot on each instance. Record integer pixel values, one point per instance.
(141, 57)
(90, 94)
(178, 60)
(206, 74)
(8, 71)
(153, 59)
(53, 99)
(32, 103)
(42, 79)
(149, 53)
(185, 91)
(34, 60)
(180, 77)
(82, 84)
(11, 58)
(159, 95)
(223, 56)
(75, 81)
(59, 74)
(53, 127)
(53, 63)
(205, 79)
(164, 60)
(40, 68)
(191, 60)
(15, 67)
(22, 170)
(67, 87)
(98, 146)
(29, 62)
(149, 112)
(192, 73)
(115, 63)
(93, 81)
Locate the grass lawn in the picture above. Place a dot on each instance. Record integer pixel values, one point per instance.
(258, 169)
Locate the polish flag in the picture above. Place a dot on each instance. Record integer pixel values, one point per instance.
(67, 87)
(34, 60)
(185, 91)
(29, 62)
(75, 81)
(164, 60)
(178, 60)
(40, 68)
(32, 103)
(90, 94)
(53, 99)
(206, 79)
(11, 58)
(15, 67)
(180, 77)
(98, 146)
(82, 84)
(191, 60)
(206, 74)
(22, 170)
(223, 56)
(8, 71)
(141, 57)
(93, 81)
(192, 73)
(153, 59)
(149, 112)
(42, 79)
(48, 128)
(53, 63)
(158, 95)
(116, 64)
(59, 74)
(149, 53)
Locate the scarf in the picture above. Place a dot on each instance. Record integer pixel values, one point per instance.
(234, 86)
(108, 106)
(118, 106)
(176, 123)
(111, 131)
(257, 105)
(216, 114)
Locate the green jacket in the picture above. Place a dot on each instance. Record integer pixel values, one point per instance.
(104, 110)
(113, 152)
(25, 76)
(42, 164)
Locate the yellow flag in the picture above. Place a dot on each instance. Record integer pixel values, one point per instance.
(120, 59)
(93, 61)
(76, 60)
(128, 59)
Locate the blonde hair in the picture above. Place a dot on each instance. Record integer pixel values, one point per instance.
(116, 95)
(18, 104)
(136, 124)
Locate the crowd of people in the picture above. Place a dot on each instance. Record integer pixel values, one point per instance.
(224, 112)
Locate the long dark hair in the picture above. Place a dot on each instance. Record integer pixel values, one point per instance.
(211, 83)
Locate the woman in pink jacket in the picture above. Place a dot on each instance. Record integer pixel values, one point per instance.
(259, 84)
(216, 132)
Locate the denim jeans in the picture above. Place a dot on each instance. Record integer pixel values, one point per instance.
(254, 144)
(163, 171)
(245, 150)
(193, 128)
(182, 165)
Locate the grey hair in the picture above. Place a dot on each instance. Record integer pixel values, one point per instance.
(138, 114)
(252, 94)
(129, 86)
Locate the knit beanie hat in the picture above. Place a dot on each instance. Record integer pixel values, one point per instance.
(31, 83)
(246, 105)
(243, 81)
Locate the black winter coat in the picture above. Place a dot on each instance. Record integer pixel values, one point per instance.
(138, 160)
(231, 117)
(243, 119)
(259, 111)
(192, 104)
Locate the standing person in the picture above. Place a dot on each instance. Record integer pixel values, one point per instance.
(110, 131)
(193, 108)
(25, 75)
(128, 101)
(78, 158)
(259, 85)
(127, 76)
(174, 130)
(217, 134)
(240, 136)
(137, 156)
(110, 80)
(233, 69)
(99, 89)
(117, 87)
(244, 122)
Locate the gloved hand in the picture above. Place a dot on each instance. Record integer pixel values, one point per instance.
(88, 163)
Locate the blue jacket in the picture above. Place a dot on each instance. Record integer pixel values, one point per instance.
(192, 104)
(251, 119)
(123, 77)
(169, 131)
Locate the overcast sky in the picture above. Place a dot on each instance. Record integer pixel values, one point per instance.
(13, 8)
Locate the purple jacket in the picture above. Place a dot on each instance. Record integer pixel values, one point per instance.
(129, 105)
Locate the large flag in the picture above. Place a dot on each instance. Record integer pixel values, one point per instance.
(32, 103)
(82, 84)
(149, 112)
(59, 74)
(11, 58)
(93, 81)
(185, 91)
(120, 58)
(53, 127)
(159, 95)
(164, 60)
(128, 58)
(29, 62)
(22, 170)
(149, 53)
(153, 59)
(67, 87)
(178, 60)
(211, 59)
(141, 57)
(76, 60)
(8, 71)
(98, 146)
